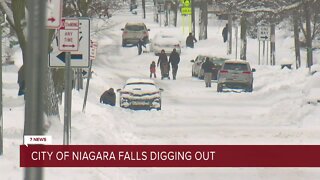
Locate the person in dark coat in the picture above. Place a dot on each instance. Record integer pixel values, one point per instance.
(164, 64)
(190, 40)
(207, 67)
(21, 81)
(174, 59)
(108, 97)
(225, 33)
(141, 43)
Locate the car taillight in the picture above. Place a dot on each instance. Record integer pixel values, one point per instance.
(246, 72)
(223, 71)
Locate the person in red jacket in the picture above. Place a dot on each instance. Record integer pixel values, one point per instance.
(153, 69)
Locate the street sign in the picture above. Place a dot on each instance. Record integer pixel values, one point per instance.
(186, 11)
(54, 13)
(70, 23)
(186, 3)
(79, 58)
(264, 33)
(69, 35)
(93, 49)
(68, 40)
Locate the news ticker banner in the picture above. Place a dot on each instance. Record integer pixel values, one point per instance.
(170, 156)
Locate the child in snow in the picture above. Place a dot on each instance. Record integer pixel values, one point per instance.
(153, 69)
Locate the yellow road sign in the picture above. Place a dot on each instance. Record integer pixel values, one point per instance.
(186, 3)
(186, 11)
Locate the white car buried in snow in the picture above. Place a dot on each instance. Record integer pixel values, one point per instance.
(165, 41)
(140, 94)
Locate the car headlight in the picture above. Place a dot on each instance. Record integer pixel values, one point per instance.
(124, 100)
(157, 100)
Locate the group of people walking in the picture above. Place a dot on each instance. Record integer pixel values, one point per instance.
(164, 64)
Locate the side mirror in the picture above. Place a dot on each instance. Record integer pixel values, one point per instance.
(118, 90)
(160, 89)
(192, 61)
(148, 29)
(253, 70)
(122, 29)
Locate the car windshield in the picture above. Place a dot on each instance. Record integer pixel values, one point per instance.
(140, 83)
(217, 62)
(236, 67)
(134, 28)
(147, 87)
(167, 36)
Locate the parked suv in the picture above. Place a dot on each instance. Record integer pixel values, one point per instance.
(235, 74)
(132, 32)
(197, 71)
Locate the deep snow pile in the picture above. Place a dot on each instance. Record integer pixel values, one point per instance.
(275, 113)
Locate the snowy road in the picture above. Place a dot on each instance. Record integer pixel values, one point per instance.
(192, 114)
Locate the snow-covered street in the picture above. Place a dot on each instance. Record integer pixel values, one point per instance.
(276, 112)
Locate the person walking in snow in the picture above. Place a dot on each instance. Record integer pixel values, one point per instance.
(225, 33)
(21, 81)
(190, 40)
(164, 64)
(207, 67)
(174, 60)
(153, 69)
(139, 45)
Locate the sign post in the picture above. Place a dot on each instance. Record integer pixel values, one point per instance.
(186, 10)
(264, 33)
(68, 41)
(67, 101)
(54, 13)
(93, 46)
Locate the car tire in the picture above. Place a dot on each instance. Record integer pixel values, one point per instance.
(249, 88)
(158, 109)
(200, 77)
(219, 87)
(124, 44)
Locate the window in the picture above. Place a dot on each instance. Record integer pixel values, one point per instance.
(135, 28)
(236, 67)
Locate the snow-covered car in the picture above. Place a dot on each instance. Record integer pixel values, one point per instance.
(165, 41)
(132, 32)
(235, 74)
(140, 94)
(197, 71)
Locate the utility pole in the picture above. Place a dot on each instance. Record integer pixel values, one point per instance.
(273, 44)
(243, 37)
(308, 34)
(296, 39)
(230, 32)
(1, 108)
(193, 21)
(144, 8)
(203, 20)
(37, 55)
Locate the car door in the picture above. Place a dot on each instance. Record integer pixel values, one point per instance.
(197, 64)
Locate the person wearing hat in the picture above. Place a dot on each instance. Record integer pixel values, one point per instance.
(108, 97)
(174, 60)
